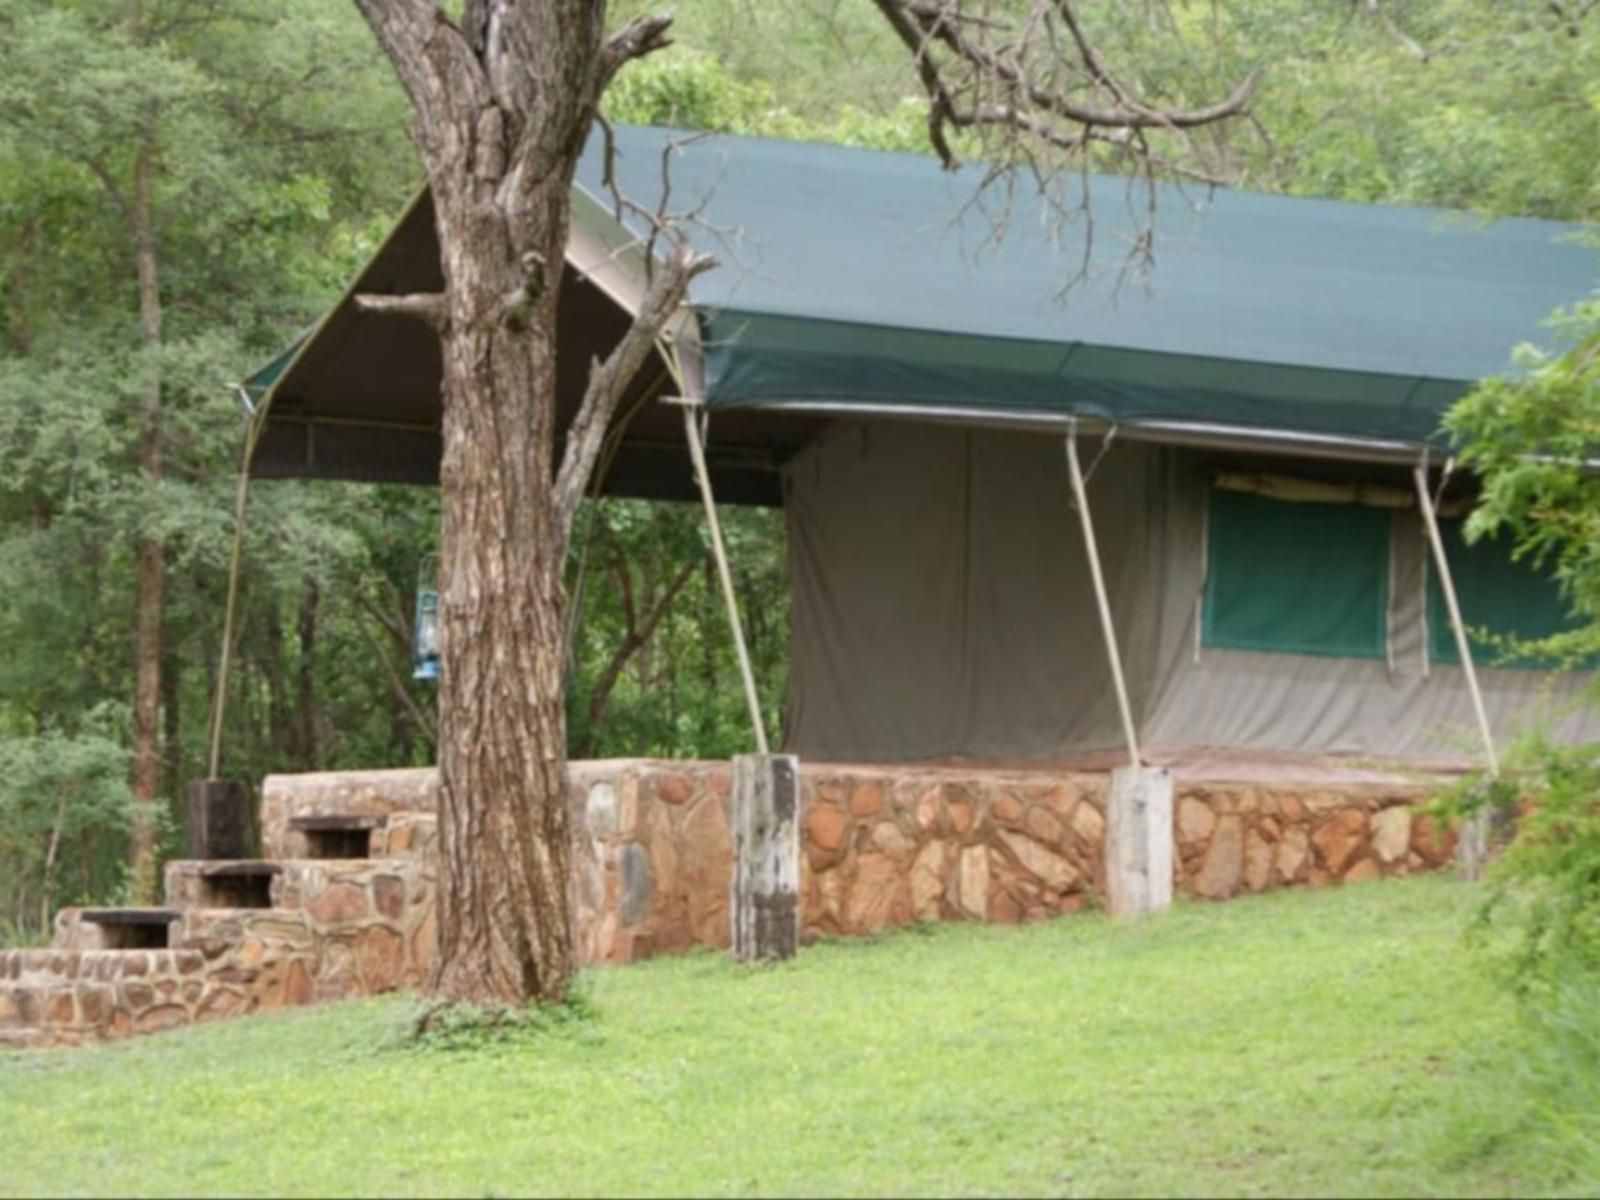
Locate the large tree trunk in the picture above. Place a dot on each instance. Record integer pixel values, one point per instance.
(150, 551)
(503, 103)
(504, 927)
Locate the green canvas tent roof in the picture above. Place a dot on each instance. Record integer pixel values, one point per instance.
(861, 282)
(862, 278)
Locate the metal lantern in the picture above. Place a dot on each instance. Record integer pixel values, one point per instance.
(425, 628)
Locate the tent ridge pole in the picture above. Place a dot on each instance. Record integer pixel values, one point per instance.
(719, 551)
(1473, 844)
(1082, 495)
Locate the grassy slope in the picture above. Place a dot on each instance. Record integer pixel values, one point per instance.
(1297, 1043)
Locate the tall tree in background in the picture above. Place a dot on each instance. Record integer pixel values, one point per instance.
(503, 101)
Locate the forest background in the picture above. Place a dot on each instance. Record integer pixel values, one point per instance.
(186, 184)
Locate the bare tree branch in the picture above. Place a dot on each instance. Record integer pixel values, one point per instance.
(639, 37)
(430, 307)
(609, 378)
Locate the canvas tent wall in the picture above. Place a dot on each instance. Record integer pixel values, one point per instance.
(942, 607)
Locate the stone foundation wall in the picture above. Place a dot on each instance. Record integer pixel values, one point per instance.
(889, 846)
(653, 858)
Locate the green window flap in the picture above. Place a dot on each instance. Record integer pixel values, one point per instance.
(1296, 577)
(1498, 595)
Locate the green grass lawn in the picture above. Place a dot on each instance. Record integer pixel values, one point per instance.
(1337, 1042)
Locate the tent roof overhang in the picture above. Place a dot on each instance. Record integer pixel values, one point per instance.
(866, 284)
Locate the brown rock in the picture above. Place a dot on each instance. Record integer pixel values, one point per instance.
(1318, 878)
(1292, 807)
(1293, 850)
(927, 881)
(339, 903)
(251, 952)
(168, 1016)
(1195, 820)
(1219, 873)
(1431, 840)
(872, 897)
(94, 1003)
(1055, 872)
(378, 951)
(1004, 908)
(825, 827)
(1339, 838)
(401, 838)
(389, 895)
(59, 1009)
(1088, 823)
(121, 1024)
(192, 990)
(886, 836)
(961, 816)
(1044, 825)
(135, 965)
(1269, 829)
(1257, 861)
(867, 798)
(929, 806)
(1391, 833)
(424, 944)
(1363, 871)
(136, 996)
(296, 984)
(220, 1003)
(675, 788)
(1005, 808)
(973, 881)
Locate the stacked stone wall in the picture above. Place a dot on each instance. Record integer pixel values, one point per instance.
(880, 847)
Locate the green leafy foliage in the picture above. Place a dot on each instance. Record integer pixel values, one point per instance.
(63, 800)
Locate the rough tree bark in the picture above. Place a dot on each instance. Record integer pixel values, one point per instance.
(502, 103)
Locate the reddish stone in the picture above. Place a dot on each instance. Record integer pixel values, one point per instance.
(867, 798)
(1292, 806)
(873, 898)
(1363, 871)
(961, 816)
(251, 952)
(1269, 830)
(401, 838)
(1431, 840)
(242, 976)
(92, 1003)
(825, 827)
(296, 984)
(675, 788)
(1005, 808)
(135, 964)
(192, 990)
(929, 806)
(59, 1010)
(1340, 838)
(339, 902)
(121, 1024)
(167, 1016)
(166, 987)
(136, 996)
(1004, 908)
(1044, 825)
(389, 894)
(1317, 878)
(219, 1004)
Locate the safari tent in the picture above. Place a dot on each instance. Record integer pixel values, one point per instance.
(1250, 414)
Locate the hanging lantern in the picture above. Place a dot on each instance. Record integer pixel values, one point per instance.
(425, 628)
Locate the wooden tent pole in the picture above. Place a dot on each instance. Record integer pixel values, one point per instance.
(1106, 627)
(252, 433)
(1473, 847)
(719, 551)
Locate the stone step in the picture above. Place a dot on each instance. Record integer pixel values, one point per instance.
(335, 794)
(112, 928)
(216, 883)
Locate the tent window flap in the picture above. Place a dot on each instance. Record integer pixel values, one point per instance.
(1296, 577)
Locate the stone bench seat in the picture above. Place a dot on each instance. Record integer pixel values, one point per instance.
(209, 883)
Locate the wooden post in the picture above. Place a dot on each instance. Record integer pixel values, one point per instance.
(219, 819)
(764, 907)
(1139, 841)
(1472, 847)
